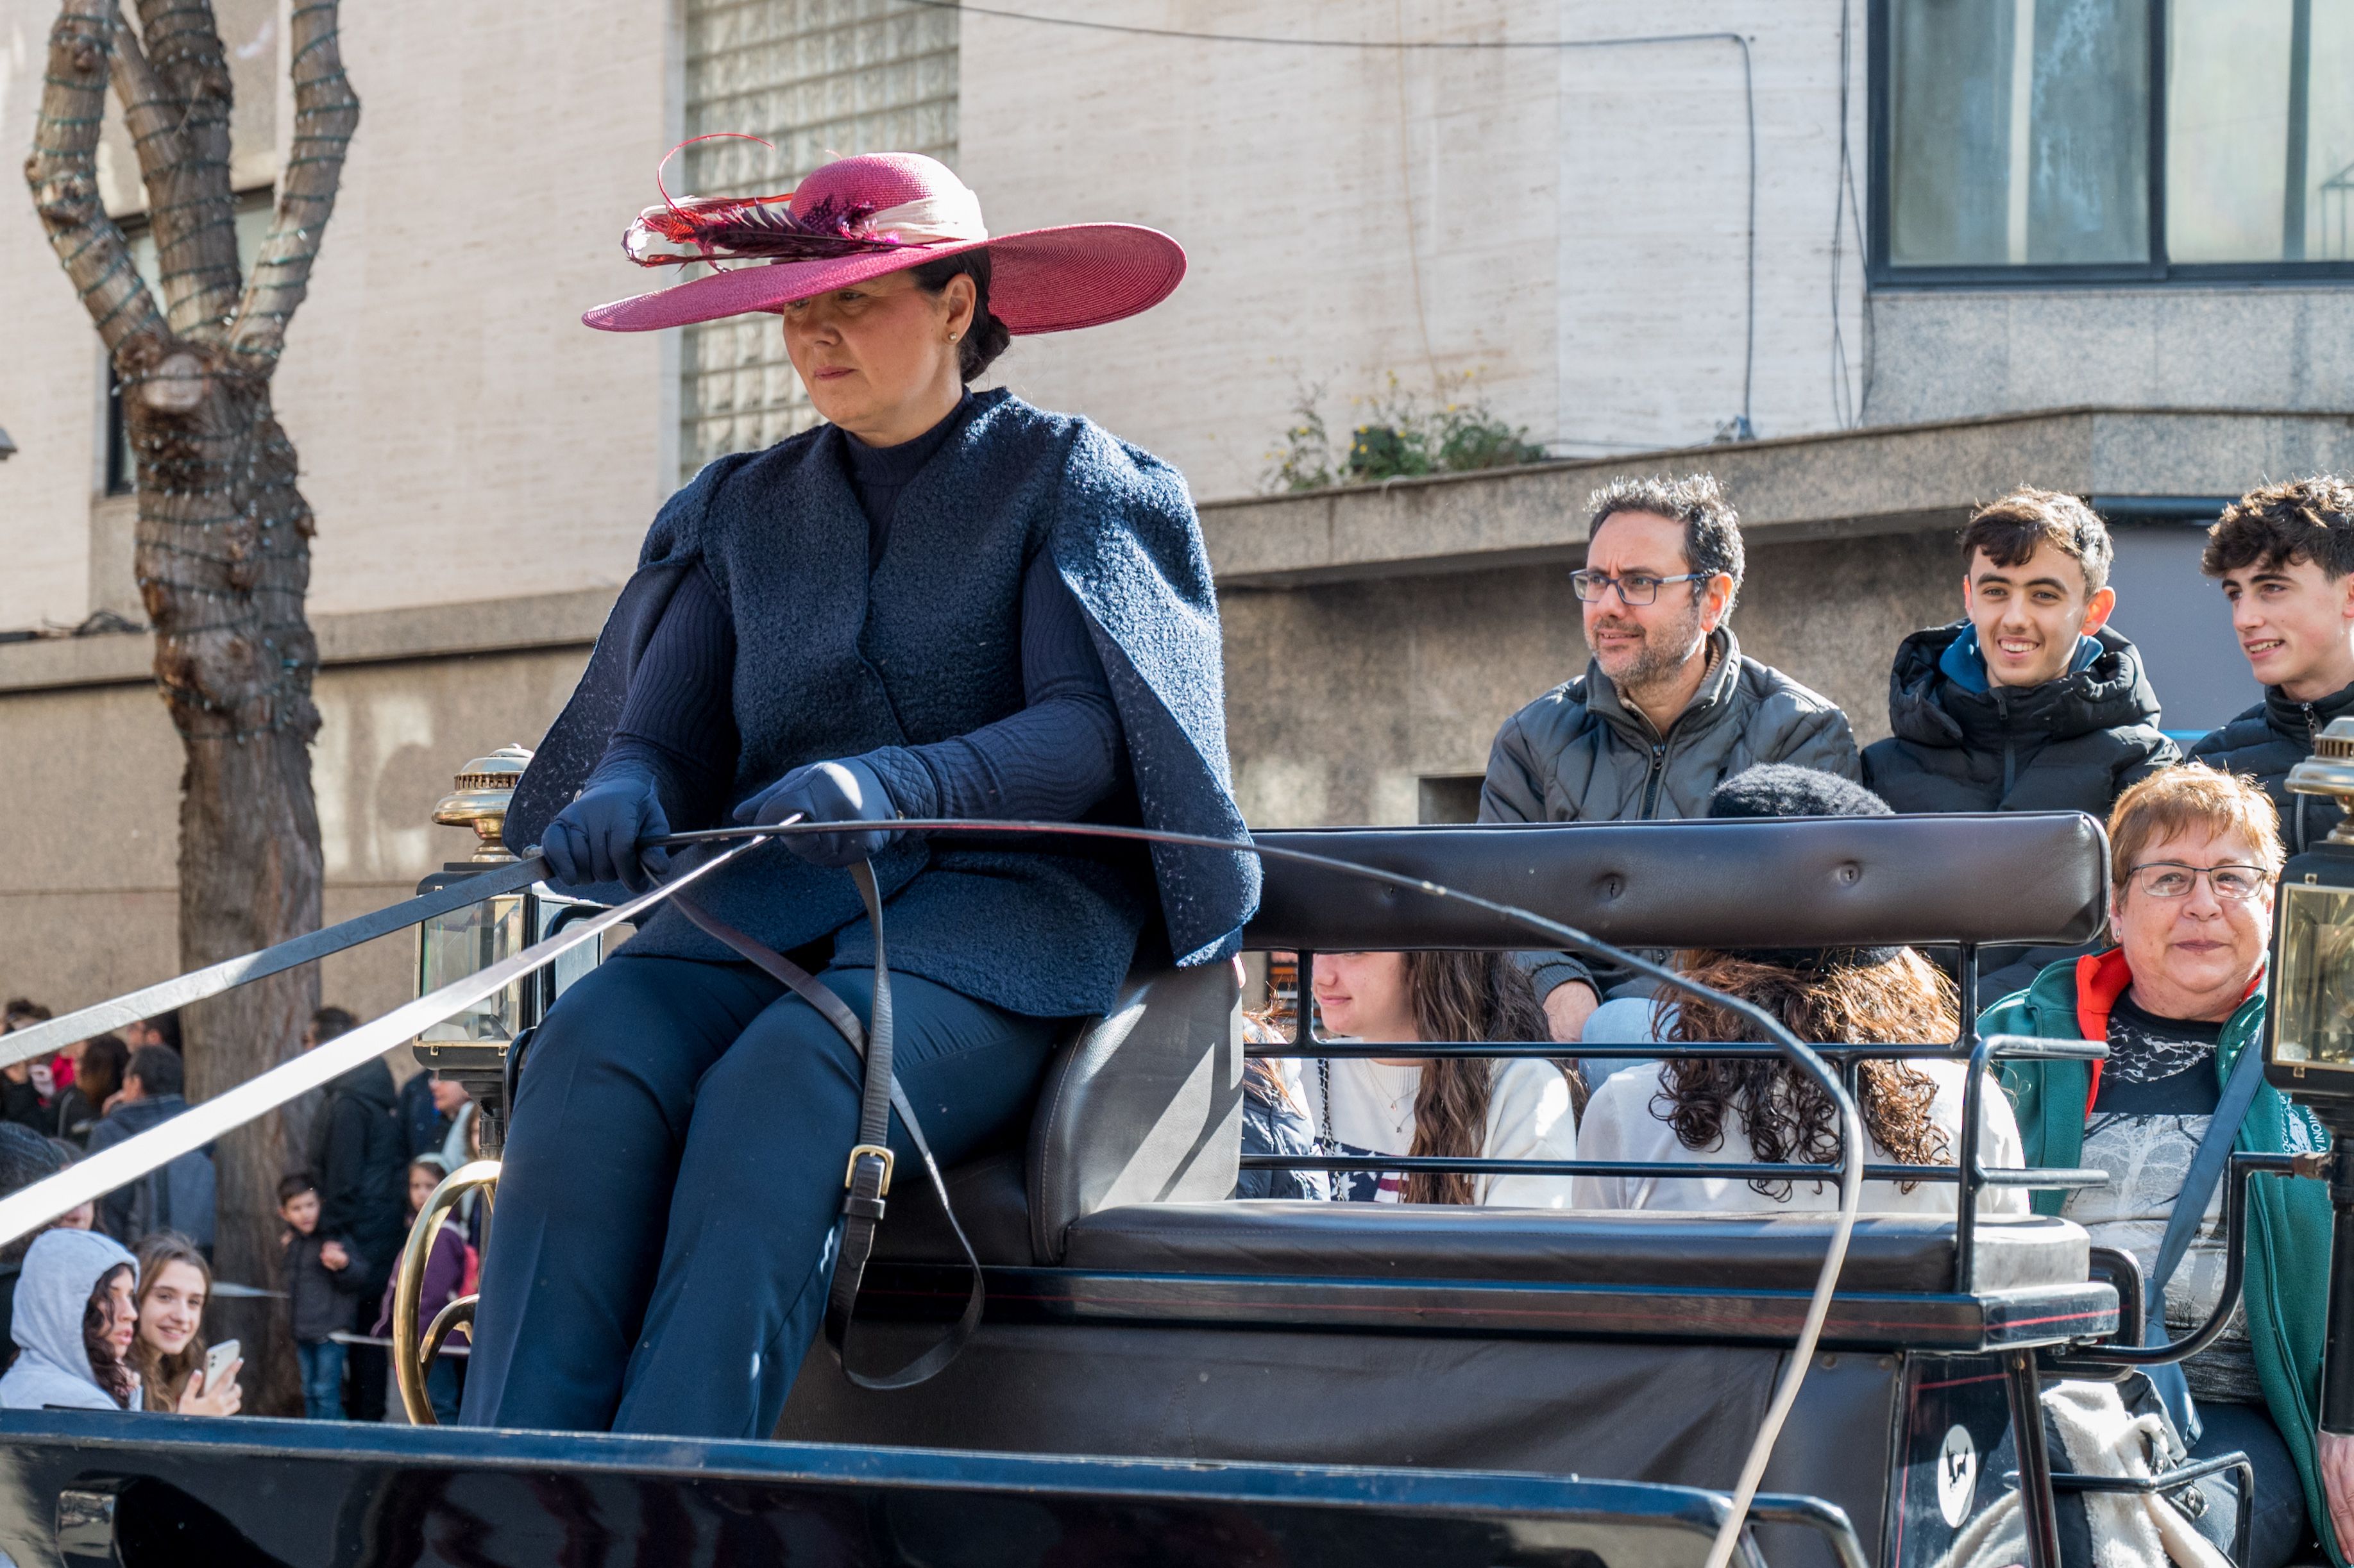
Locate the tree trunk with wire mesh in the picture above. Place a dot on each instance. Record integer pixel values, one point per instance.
(223, 556)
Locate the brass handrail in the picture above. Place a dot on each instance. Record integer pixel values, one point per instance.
(412, 1359)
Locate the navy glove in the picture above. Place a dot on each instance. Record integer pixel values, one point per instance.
(596, 838)
(844, 791)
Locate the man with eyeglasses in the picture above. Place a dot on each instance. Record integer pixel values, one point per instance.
(1668, 709)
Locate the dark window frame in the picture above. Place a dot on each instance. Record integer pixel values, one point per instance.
(1884, 274)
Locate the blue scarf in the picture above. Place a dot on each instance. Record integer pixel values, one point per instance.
(1964, 662)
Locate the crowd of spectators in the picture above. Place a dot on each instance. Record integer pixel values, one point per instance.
(346, 1210)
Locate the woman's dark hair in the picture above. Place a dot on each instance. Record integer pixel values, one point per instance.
(1467, 996)
(111, 1375)
(1904, 1001)
(162, 1378)
(987, 337)
(99, 1073)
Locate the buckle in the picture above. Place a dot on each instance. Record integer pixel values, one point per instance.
(869, 1151)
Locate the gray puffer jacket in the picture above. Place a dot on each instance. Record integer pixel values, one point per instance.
(1581, 753)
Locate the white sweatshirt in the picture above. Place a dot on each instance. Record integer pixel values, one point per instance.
(1372, 1112)
(1621, 1125)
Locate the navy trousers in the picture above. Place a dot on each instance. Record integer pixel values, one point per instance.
(665, 1223)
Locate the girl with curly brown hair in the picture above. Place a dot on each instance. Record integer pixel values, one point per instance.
(1522, 1108)
(1744, 1110)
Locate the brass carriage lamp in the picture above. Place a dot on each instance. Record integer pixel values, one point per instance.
(2309, 1047)
(465, 941)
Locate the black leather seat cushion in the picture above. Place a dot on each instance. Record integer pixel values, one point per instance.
(1393, 1242)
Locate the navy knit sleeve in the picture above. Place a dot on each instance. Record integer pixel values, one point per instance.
(1052, 760)
(679, 720)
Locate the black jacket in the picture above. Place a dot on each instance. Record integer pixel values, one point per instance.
(319, 1298)
(21, 1103)
(2070, 745)
(358, 1158)
(2267, 741)
(423, 1127)
(75, 1116)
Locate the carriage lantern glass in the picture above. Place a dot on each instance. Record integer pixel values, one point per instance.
(2311, 1049)
(465, 941)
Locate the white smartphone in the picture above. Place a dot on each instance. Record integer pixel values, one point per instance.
(216, 1361)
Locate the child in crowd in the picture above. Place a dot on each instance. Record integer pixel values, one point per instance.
(317, 1302)
(168, 1351)
(448, 1274)
(74, 1319)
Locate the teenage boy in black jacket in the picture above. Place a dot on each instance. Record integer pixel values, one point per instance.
(2032, 702)
(2284, 557)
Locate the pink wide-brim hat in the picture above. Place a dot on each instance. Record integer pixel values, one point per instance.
(1040, 279)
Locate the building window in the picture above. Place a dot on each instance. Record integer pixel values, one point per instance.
(815, 78)
(1448, 797)
(2054, 141)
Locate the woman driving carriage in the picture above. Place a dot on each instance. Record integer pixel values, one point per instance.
(2180, 1001)
(938, 604)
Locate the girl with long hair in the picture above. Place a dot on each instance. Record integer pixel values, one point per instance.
(1523, 1108)
(1745, 1110)
(168, 1351)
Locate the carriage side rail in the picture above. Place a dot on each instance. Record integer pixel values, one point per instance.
(149, 1001)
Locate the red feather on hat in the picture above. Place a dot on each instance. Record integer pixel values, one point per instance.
(749, 228)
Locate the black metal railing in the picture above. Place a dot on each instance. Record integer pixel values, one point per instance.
(1978, 1052)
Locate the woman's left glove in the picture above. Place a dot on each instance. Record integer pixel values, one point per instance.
(844, 791)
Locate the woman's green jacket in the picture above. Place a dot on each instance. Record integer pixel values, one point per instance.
(2287, 1278)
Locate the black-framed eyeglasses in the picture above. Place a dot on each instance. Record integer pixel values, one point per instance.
(2173, 879)
(1633, 588)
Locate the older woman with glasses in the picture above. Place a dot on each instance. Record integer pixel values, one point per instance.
(2180, 1001)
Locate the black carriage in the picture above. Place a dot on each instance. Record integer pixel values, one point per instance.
(1164, 1374)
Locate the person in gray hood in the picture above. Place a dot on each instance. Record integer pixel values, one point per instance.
(1668, 708)
(54, 1365)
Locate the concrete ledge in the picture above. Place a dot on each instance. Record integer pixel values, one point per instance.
(1876, 481)
(370, 637)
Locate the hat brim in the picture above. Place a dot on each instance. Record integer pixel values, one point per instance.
(1040, 279)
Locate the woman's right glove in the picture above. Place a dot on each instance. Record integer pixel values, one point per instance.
(596, 838)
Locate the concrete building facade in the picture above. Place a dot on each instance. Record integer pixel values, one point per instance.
(1624, 230)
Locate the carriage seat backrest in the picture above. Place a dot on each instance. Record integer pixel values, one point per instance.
(1140, 1106)
(2039, 878)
